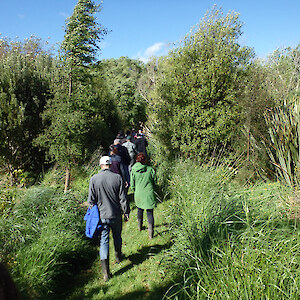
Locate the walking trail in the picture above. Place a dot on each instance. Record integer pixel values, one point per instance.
(143, 274)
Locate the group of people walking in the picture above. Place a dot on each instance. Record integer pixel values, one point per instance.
(125, 166)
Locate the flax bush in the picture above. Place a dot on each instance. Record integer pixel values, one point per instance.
(284, 146)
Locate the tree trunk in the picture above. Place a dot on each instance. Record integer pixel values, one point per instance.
(248, 146)
(67, 179)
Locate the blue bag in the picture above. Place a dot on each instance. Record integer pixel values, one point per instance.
(93, 225)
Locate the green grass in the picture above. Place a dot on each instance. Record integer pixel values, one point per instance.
(143, 274)
(232, 242)
(42, 241)
(214, 239)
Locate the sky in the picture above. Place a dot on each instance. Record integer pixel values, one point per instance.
(140, 29)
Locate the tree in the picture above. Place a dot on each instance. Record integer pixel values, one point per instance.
(283, 77)
(83, 34)
(195, 101)
(75, 109)
(24, 91)
(122, 77)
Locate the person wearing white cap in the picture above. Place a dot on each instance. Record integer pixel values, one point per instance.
(107, 190)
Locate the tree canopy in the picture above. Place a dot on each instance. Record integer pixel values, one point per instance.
(122, 77)
(196, 96)
(24, 91)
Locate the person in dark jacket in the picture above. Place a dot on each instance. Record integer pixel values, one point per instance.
(107, 190)
(141, 143)
(120, 136)
(143, 183)
(125, 159)
(116, 163)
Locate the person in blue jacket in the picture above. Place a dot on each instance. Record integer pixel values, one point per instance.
(107, 190)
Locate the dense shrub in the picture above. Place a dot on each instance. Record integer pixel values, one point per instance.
(199, 88)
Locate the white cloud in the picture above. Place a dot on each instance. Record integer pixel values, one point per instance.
(65, 15)
(156, 49)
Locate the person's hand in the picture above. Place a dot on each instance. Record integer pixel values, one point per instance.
(126, 184)
(126, 217)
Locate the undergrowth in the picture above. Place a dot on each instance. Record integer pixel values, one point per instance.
(42, 242)
(227, 240)
(230, 241)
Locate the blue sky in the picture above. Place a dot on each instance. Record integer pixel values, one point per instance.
(140, 28)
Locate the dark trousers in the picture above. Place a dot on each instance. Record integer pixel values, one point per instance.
(150, 217)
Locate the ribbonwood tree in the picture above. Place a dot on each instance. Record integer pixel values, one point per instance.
(195, 101)
(77, 107)
(24, 91)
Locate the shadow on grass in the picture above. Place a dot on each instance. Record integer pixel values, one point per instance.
(141, 294)
(156, 294)
(157, 228)
(85, 276)
(141, 256)
(78, 277)
(135, 259)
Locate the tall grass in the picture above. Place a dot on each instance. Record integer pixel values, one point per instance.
(42, 240)
(42, 231)
(232, 242)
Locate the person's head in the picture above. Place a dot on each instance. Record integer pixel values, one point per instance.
(120, 134)
(113, 149)
(141, 158)
(128, 138)
(105, 162)
(117, 141)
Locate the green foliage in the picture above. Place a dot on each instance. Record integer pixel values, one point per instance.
(283, 74)
(122, 77)
(24, 91)
(199, 87)
(255, 100)
(83, 34)
(231, 242)
(75, 126)
(42, 240)
(283, 120)
(81, 114)
(8, 195)
(284, 147)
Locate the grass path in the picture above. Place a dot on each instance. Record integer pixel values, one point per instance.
(143, 274)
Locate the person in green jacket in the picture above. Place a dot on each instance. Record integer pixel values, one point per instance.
(143, 183)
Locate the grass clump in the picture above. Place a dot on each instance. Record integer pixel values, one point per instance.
(42, 241)
(232, 242)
